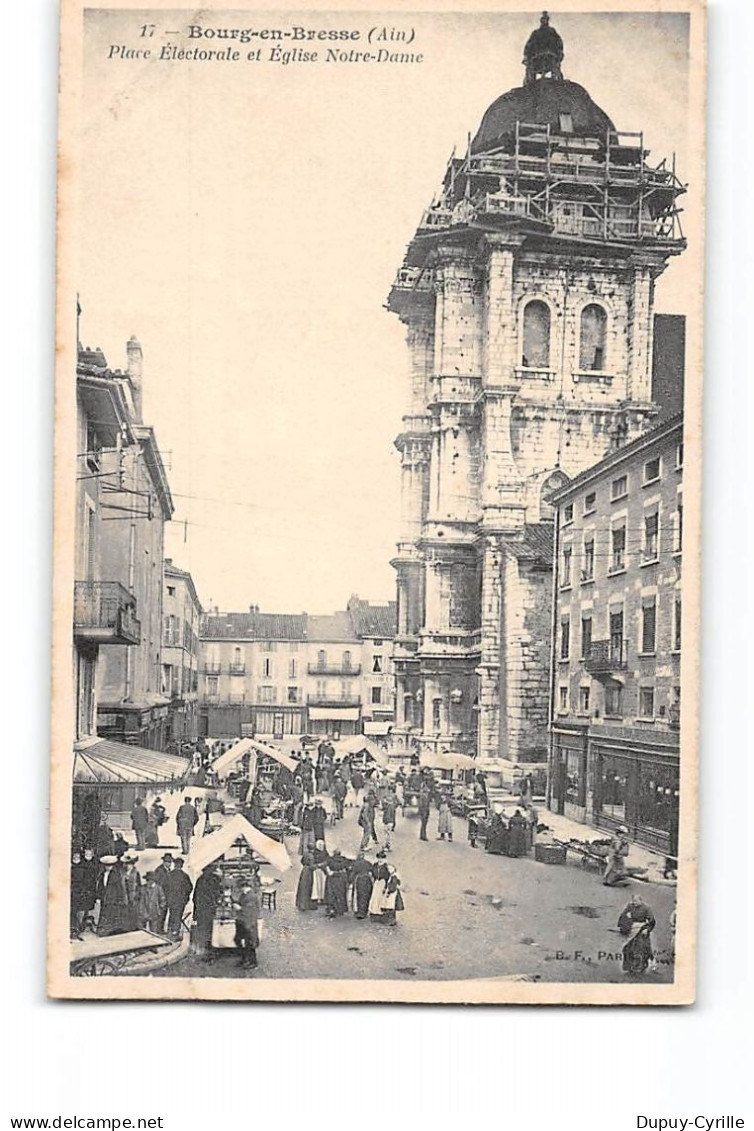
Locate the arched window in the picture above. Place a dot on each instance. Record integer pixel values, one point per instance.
(593, 338)
(535, 353)
(347, 661)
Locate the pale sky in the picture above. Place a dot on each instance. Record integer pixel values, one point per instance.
(246, 220)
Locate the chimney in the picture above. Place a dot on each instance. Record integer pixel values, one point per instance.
(135, 366)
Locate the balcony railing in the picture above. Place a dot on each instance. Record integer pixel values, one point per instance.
(334, 669)
(211, 669)
(606, 656)
(333, 701)
(237, 669)
(104, 612)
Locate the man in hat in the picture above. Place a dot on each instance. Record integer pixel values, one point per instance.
(185, 820)
(139, 822)
(153, 906)
(161, 875)
(178, 888)
(248, 913)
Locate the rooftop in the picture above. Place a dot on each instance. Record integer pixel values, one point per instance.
(620, 455)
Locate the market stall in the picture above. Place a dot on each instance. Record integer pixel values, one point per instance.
(360, 745)
(235, 849)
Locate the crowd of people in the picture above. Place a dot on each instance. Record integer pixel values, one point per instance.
(110, 896)
(337, 884)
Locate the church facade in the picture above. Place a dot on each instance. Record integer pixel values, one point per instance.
(527, 294)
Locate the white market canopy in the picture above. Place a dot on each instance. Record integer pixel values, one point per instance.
(205, 850)
(225, 762)
(361, 744)
(446, 761)
(273, 752)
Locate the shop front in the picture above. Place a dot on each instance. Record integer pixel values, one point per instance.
(636, 784)
(568, 772)
(334, 721)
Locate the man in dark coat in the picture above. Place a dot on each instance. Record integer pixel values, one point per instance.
(319, 820)
(161, 876)
(366, 822)
(248, 912)
(424, 807)
(339, 790)
(207, 895)
(185, 820)
(152, 905)
(362, 880)
(177, 889)
(139, 822)
(336, 884)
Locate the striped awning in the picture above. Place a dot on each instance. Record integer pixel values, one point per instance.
(101, 760)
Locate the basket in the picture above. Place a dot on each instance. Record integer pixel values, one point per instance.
(550, 853)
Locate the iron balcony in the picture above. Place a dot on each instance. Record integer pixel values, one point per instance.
(334, 669)
(333, 701)
(104, 612)
(606, 656)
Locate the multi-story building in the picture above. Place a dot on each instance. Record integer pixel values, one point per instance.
(375, 627)
(105, 608)
(528, 299)
(182, 612)
(281, 675)
(122, 503)
(616, 643)
(252, 673)
(136, 505)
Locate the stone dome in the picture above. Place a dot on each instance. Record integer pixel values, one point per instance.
(541, 103)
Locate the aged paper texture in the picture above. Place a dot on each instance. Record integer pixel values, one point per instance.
(378, 456)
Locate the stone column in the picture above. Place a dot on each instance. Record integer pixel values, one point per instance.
(489, 670)
(641, 332)
(500, 331)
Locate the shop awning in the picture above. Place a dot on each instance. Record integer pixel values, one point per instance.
(205, 850)
(226, 761)
(349, 714)
(377, 726)
(103, 761)
(361, 744)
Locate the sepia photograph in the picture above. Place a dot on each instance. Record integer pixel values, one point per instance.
(377, 504)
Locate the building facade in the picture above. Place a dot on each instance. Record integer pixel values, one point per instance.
(130, 705)
(616, 642)
(528, 299)
(182, 612)
(280, 675)
(105, 608)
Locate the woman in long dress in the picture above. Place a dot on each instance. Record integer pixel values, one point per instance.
(392, 900)
(517, 835)
(336, 884)
(380, 874)
(305, 884)
(319, 875)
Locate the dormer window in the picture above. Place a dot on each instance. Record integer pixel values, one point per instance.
(566, 124)
(536, 338)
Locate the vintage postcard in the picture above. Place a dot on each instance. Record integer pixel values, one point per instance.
(378, 451)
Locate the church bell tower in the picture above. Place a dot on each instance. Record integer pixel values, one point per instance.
(527, 294)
